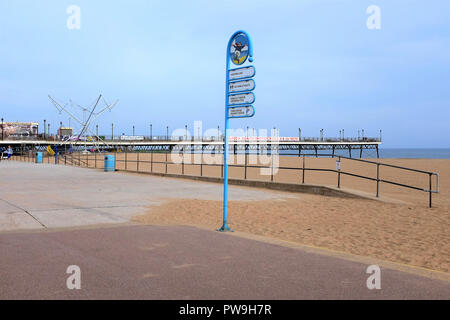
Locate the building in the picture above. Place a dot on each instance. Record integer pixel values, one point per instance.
(65, 132)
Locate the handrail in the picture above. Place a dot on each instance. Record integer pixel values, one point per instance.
(303, 169)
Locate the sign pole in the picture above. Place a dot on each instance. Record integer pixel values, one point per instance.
(225, 226)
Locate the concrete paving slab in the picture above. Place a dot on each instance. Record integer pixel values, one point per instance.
(60, 196)
(18, 220)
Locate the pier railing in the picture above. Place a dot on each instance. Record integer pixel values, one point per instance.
(135, 162)
(112, 140)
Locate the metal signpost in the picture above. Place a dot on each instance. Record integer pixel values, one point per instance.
(238, 98)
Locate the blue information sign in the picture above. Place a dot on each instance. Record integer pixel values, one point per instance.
(238, 98)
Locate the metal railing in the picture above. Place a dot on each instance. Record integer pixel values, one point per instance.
(85, 160)
(110, 139)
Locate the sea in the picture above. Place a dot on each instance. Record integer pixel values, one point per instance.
(387, 153)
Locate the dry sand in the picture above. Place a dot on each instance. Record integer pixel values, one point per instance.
(398, 233)
(408, 233)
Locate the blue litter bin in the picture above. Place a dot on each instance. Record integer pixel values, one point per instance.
(110, 163)
(38, 157)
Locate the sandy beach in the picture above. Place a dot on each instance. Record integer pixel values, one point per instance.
(408, 232)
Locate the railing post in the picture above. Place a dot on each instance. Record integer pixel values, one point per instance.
(245, 164)
(339, 174)
(431, 187)
(126, 158)
(137, 165)
(115, 154)
(201, 163)
(303, 171)
(378, 180)
(271, 169)
(166, 161)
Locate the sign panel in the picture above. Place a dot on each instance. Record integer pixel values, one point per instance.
(239, 48)
(241, 112)
(132, 138)
(18, 129)
(243, 98)
(238, 86)
(241, 73)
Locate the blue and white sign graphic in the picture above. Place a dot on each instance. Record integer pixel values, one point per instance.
(239, 48)
(240, 86)
(241, 73)
(242, 98)
(238, 98)
(241, 112)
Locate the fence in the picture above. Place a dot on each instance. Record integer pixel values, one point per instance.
(159, 162)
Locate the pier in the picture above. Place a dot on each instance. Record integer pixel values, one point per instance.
(300, 146)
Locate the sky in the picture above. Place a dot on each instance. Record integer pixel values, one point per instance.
(318, 65)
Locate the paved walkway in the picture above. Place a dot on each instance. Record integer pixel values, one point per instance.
(48, 196)
(156, 262)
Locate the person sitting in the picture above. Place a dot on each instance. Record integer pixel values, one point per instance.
(10, 152)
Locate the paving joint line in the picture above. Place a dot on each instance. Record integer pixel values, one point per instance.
(28, 213)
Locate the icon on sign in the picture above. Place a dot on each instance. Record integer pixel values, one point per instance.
(239, 49)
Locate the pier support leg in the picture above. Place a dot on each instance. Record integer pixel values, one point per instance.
(378, 153)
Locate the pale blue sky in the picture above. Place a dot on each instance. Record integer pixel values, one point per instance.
(318, 66)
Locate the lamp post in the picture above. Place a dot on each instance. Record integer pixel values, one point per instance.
(48, 131)
(96, 130)
(2, 129)
(167, 133)
(112, 131)
(151, 132)
(133, 131)
(185, 135)
(218, 133)
(45, 128)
